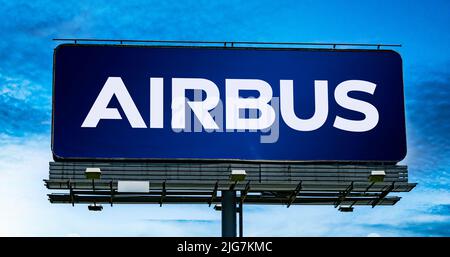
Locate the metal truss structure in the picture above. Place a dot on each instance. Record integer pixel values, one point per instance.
(200, 183)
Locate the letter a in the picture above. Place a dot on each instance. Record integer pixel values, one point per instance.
(113, 86)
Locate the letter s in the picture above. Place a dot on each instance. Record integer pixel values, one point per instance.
(342, 98)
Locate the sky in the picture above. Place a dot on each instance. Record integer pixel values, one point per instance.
(26, 52)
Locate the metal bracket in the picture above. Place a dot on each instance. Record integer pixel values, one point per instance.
(383, 194)
(370, 186)
(294, 194)
(332, 45)
(344, 194)
(232, 186)
(112, 192)
(245, 192)
(214, 193)
(163, 193)
(69, 185)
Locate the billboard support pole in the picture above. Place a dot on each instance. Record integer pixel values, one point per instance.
(241, 217)
(229, 213)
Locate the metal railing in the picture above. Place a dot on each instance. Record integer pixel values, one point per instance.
(226, 43)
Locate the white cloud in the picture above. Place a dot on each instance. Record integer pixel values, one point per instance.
(17, 88)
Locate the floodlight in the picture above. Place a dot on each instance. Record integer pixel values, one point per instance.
(377, 176)
(218, 207)
(345, 208)
(94, 207)
(93, 173)
(238, 175)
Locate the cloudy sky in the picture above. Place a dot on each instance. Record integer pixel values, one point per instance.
(26, 51)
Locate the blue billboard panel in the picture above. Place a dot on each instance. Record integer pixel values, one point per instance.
(214, 103)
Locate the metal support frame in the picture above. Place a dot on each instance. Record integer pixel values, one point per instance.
(233, 185)
(199, 183)
(294, 194)
(241, 216)
(383, 195)
(231, 44)
(112, 192)
(93, 190)
(69, 185)
(343, 195)
(244, 194)
(214, 194)
(163, 193)
(370, 186)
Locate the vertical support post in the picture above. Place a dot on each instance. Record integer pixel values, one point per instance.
(241, 216)
(229, 213)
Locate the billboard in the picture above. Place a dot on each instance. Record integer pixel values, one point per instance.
(216, 103)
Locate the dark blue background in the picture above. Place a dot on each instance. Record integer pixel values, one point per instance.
(80, 72)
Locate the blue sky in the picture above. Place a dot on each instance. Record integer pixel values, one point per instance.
(26, 51)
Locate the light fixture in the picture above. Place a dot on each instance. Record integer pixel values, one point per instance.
(237, 175)
(93, 173)
(377, 176)
(94, 207)
(345, 208)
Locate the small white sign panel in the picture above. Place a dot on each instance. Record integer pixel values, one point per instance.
(133, 186)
